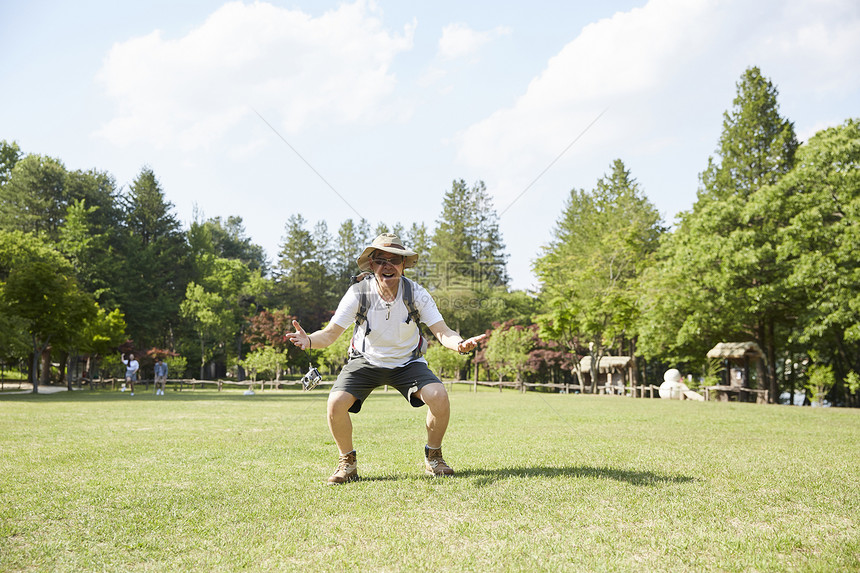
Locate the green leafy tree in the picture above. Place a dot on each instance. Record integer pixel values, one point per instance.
(265, 361)
(336, 355)
(508, 351)
(10, 154)
(467, 235)
(83, 246)
(588, 273)
(444, 363)
(757, 144)
(34, 198)
(99, 336)
(381, 228)
(212, 243)
(39, 289)
(96, 189)
(176, 365)
(820, 380)
(226, 240)
(211, 319)
(92, 233)
(76, 211)
(852, 387)
(517, 307)
(216, 307)
(15, 345)
(719, 277)
(818, 207)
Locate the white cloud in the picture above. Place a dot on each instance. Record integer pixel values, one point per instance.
(458, 40)
(815, 46)
(659, 69)
(430, 76)
(193, 90)
(665, 73)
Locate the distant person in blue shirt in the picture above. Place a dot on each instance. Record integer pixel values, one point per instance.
(160, 376)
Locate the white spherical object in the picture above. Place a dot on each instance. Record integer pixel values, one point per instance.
(672, 388)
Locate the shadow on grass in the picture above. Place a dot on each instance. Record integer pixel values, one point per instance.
(484, 477)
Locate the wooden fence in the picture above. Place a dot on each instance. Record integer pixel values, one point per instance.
(569, 388)
(180, 384)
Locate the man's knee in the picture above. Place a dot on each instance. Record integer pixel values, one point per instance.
(434, 395)
(340, 402)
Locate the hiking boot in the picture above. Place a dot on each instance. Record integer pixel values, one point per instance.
(347, 469)
(434, 465)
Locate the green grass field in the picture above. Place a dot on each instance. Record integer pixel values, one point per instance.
(208, 481)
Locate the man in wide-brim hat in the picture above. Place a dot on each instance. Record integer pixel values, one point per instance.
(386, 349)
(387, 243)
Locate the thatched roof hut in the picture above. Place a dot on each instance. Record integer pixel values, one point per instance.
(737, 357)
(736, 351)
(616, 368)
(606, 363)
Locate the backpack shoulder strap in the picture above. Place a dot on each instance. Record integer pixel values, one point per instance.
(364, 287)
(409, 300)
(414, 317)
(363, 303)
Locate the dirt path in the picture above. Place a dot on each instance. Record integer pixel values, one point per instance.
(27, 388)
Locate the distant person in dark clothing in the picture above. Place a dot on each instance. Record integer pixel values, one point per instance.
(160, 376)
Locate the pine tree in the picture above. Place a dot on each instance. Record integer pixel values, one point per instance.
(418, 239)
(719, 272)
(468, 266)
(467, 243)
(305, 285)
(347, 248)
(757, 145)
(157, 265)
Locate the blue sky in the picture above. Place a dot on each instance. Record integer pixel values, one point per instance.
(391, 101)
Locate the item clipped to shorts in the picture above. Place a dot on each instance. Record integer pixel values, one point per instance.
(311, 379)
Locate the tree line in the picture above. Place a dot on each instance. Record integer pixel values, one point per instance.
(766, 254)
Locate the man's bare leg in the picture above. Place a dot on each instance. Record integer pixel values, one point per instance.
(438, 413)
(340, 426)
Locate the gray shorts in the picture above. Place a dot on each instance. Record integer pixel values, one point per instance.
(359, 378)
(131, 375)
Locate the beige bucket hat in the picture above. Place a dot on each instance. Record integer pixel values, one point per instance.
(390, 244)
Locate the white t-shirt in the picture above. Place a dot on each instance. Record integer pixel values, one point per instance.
(391, 339)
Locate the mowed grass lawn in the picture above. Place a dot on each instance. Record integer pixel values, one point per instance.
(208, 481)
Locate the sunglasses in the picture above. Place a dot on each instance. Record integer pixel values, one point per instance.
(395, 260)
